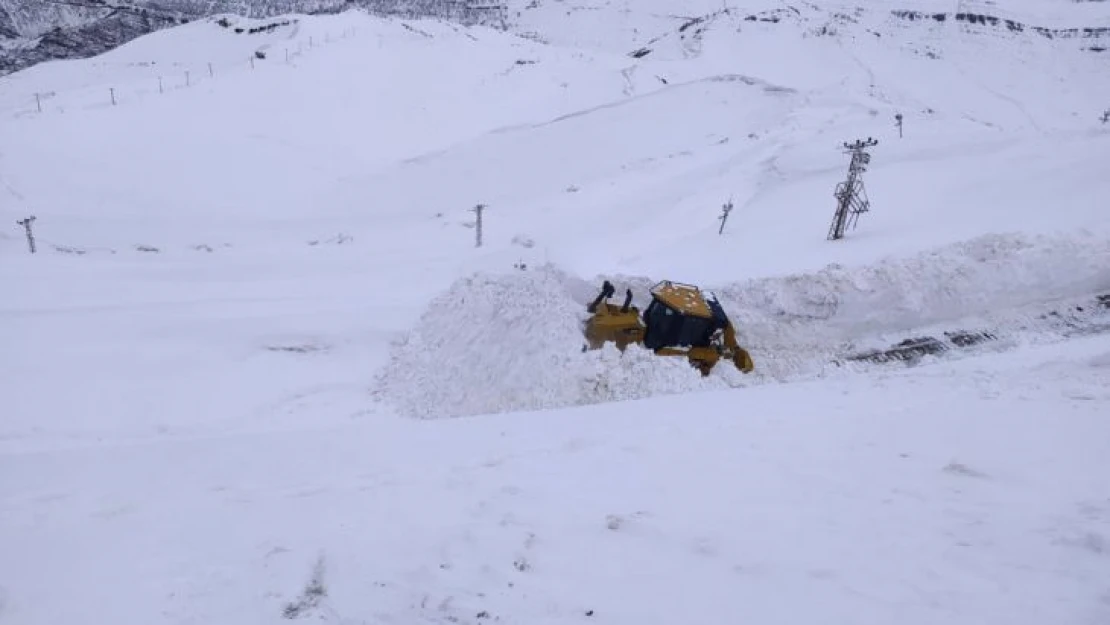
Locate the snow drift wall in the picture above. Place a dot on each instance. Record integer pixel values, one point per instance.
(995, 282)
(496, 343)
(514, 342)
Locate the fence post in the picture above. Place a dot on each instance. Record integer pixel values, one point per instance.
(112, 91)
(211, 74)
(38, 102)
(478, 225)
(26, 223)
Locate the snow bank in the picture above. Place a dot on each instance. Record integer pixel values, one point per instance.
(514, 342)
(498, 343)
(795, 324)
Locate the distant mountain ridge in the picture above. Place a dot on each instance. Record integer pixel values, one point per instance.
(33, 32)
(44, 30)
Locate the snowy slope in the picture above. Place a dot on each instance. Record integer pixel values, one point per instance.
(250, 281)
(41, 31)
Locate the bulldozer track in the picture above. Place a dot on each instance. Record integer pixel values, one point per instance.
(1087, 317)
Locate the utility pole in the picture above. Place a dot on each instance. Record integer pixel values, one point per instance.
(725, 210)
(26, 223)
(898, 122)
(478, 224)
(851, 199)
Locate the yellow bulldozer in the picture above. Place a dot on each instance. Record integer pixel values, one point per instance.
(680, 321)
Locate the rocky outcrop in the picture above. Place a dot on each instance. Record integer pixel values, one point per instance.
(7, 27)
(84, 41)
(1008, 24)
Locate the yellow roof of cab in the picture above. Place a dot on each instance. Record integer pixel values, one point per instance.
(684, 298)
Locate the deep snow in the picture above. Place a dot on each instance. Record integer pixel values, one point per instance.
(248, 285)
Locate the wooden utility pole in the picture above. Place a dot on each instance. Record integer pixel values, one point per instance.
(478, 224)
(898, 122)
(26, 223)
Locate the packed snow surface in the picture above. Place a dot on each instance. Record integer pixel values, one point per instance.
(234, 372)
(969, 493)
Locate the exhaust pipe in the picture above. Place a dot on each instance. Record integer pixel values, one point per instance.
(606, 292)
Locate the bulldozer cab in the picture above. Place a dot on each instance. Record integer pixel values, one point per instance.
(680, 315)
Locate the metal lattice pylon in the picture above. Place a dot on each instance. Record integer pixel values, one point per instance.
(851, 197)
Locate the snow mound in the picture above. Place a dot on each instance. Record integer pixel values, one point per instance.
(500, 343)
(995, 281)
(803, 325)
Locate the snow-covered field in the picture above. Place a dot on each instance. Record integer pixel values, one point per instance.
(259, 370)
(964, 493)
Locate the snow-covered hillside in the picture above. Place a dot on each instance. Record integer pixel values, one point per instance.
(38, 31)
(259, 370)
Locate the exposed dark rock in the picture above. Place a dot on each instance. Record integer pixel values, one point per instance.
(7, 27)
(1011, 25)
(88, 40)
